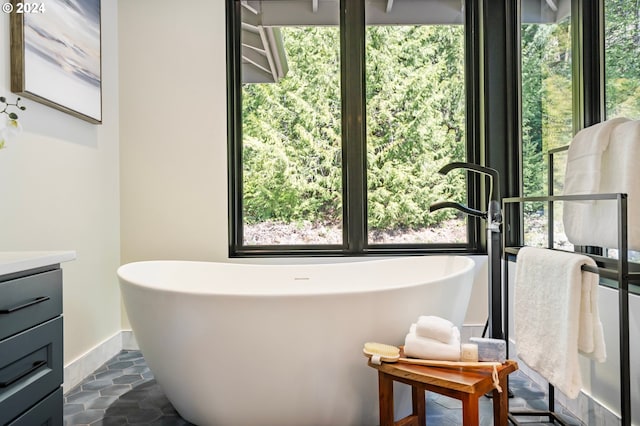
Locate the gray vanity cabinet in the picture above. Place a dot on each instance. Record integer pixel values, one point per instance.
(31, 360)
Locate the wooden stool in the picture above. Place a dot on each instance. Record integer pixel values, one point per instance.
(466, 385)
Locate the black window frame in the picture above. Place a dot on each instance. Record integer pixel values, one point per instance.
(492, 139)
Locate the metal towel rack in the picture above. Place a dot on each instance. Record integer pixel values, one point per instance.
(614, 269)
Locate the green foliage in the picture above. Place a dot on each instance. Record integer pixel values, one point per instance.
(415, 122)
(5, 109)
(292, 154)
(622, 58)
(292, 151)
(546, 85)
(547, 117)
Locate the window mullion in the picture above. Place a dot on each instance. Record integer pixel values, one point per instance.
(234, 125)
(589, 63)
(501, 108)
(474, 114)
(352, 52)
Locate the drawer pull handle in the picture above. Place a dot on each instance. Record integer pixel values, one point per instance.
(34, 367)
(25, 305)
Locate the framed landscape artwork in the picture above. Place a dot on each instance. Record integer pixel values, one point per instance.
(56, 55)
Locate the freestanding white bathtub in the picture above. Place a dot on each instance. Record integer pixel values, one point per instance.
(246, 344)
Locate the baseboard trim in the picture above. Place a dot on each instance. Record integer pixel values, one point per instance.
(129, 342)
(80, 368)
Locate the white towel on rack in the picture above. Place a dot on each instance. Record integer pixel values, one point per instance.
(584, 158)
(556, 315)
(604, 158)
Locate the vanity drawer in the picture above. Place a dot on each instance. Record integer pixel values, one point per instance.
(30, 368)
(47, 412)
(28, 301)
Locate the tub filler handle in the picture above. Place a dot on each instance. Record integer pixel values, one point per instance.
(457, 206)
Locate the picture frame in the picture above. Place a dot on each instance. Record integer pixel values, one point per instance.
(56, 55)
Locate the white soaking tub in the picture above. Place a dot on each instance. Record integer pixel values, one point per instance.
(247, 344)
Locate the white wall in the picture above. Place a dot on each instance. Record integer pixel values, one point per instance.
(173, 130)
(59, 191)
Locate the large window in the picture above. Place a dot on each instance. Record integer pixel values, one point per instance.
(291, 133)
(547, 108)
(303, 179)
(415, 125)
(340, 119)
(622, 66)
(622, 58)
(547, 91)
(549, 104)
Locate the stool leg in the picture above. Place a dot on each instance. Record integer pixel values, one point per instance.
(419, 409)
(385, 399)
(501, 404)
(470, 416)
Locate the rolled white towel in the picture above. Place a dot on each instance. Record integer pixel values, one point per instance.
(425, 348)
(455, 334)
(434, 327)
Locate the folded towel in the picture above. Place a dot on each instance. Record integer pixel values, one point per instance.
(552, 321)
(603, 158)
(584, 158)
(434, 327)
(425, 348)
(455, 333)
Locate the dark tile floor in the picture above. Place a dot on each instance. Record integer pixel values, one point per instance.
(124, 392)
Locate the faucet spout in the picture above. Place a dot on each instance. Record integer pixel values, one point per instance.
(460, 207)
(494, 178)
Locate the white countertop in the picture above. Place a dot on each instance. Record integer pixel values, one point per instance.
(16, 261)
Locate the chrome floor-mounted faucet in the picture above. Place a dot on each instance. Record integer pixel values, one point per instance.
(493, 217)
